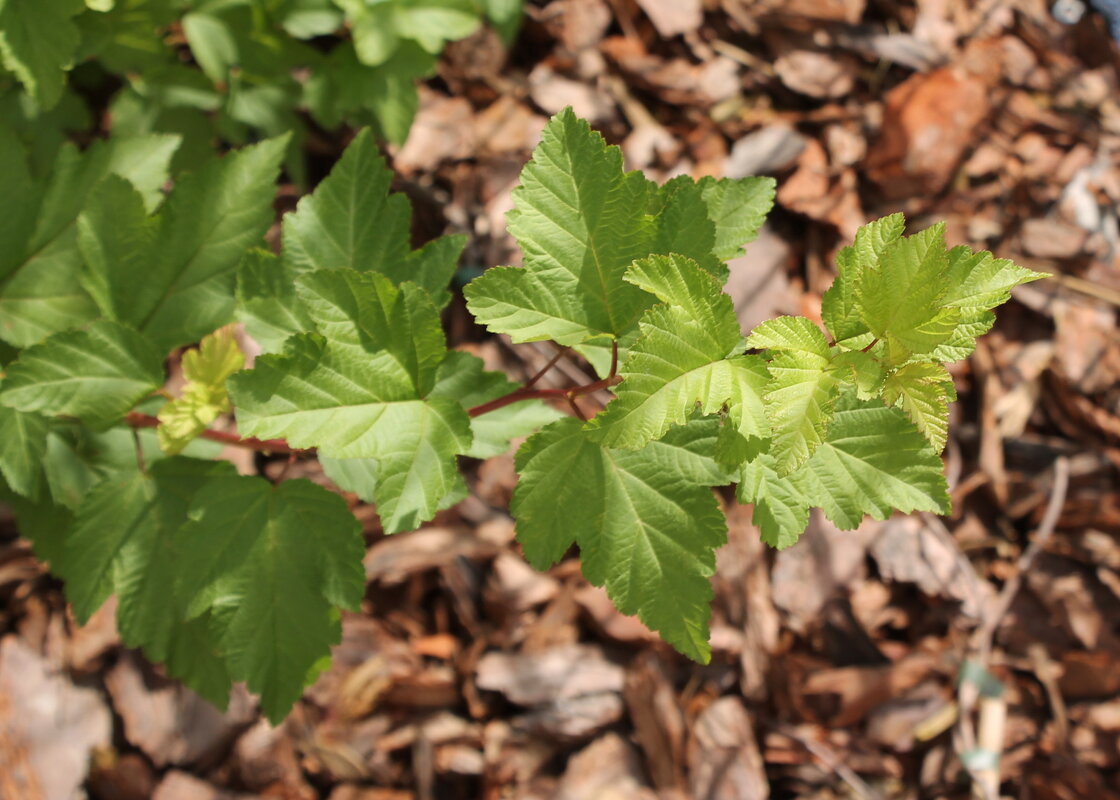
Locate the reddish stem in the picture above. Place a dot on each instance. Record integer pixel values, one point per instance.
(138, 420)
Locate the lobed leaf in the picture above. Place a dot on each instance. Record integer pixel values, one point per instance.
(683, 360)
(41, 282)
(924, 392)
(362, 388)
(269, 564)
(645, 520)
(802, 389)
(204, 397)
(96, 374)
(872, 462)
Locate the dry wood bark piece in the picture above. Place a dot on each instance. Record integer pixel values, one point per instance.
(169, 722)
(607, 769)
(48, 727)
(395, 558)
(177, 785)
(658, 722)
(723, 756)
(559, 674)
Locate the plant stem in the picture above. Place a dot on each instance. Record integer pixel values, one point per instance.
(138, 420)
(527, 392)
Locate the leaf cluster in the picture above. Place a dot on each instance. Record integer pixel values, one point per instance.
(254, 64)
(225, 577)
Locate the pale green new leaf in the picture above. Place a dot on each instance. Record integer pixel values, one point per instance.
(581, 222)
(270, 564)
(23, 445)
(840, 306)
(362, 388)
(645, 520)
(924, 392)
(872, 461)
(781, 511)
(802, 389)
(208, 223)
(204, 397)
(738, 208)
(37, 43)
(683, 359)
(977, 283)
(96, 374)
(902, 300)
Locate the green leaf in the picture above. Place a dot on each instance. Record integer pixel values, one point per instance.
(270, 563)
(840, 306)
(781, 510)
(361, 387)
(210, 220)
(924, 392)
(683, 359)
(461, 377)
(267, 302)
(96, 374)
(23, 446)
(379, 28)
(580, 222)
(122, 542)
(861, 370)
(802, 388)
(738, 208)
(977, 283)
(37, 43)
(19, 202)
(902, 299)
(335, 228)
(331, 228)
(680, 224)
(342, 88)
(505, 16)
(118, 242)
(645, 520)
(40, 287)
(204, 396)
(873, 462)
(212, 44)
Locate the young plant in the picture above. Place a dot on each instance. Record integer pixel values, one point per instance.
(231, 578)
